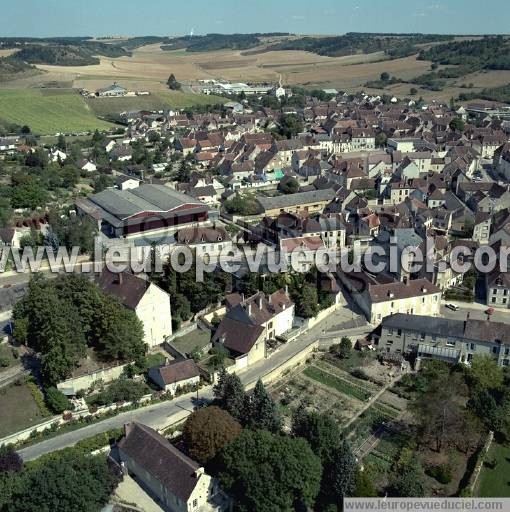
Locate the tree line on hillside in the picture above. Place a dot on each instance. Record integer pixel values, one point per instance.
(484, 53)
(63, 317)
(214, 42)
(395, 45)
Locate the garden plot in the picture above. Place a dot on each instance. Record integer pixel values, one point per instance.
(393, 400)
(329, 380)
(315, 396)
(349, 377)
(364, 364)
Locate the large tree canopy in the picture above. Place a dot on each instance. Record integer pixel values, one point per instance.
(267, 472)
(207, 431)
(60, 318)
(66, 481)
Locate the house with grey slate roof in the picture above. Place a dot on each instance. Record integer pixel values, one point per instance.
(453, 341)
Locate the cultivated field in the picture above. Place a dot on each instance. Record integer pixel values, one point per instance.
(48, 111)
(149, 67)
(7, 52)
(158, 100)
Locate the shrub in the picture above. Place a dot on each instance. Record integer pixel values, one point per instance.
(119, 391)
(98, 441)
(10, 461)
(359, 374)
(57, 401)
(38, 398)
(442, 473)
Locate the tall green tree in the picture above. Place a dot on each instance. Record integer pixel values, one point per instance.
(340, 476)
(320, 430)
(118, 332)
(173, 84)
(230, 395)
(261, 410)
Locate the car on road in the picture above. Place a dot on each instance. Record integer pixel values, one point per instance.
(452, 306)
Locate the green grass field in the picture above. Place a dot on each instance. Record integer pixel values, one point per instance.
(155, 101)
(19, 409)
(48, 111)
(495, 478)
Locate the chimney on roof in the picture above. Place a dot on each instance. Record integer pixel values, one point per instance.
(118, 278)
(286, 289)
(260, 301)
(249, 309)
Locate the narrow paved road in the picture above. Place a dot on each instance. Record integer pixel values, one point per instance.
(165, 414)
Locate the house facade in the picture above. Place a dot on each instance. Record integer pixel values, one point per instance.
(150, 303)
(378, 300)
(453, 341)
(175, 375)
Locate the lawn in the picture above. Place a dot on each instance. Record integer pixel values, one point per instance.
(48, 111)
(495, 477)
(19, 410)
(196, 339)
(160, 100)
(333, 382)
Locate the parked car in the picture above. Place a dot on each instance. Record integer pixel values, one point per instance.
(452, 306)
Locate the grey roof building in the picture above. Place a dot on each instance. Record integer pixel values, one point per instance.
(146, 208)
(454, 341)
(313, 201)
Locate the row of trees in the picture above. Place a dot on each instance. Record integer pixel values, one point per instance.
(60, 318)
(188, 296)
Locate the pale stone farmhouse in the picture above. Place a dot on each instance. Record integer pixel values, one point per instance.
(178, 483)
(150, 303)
